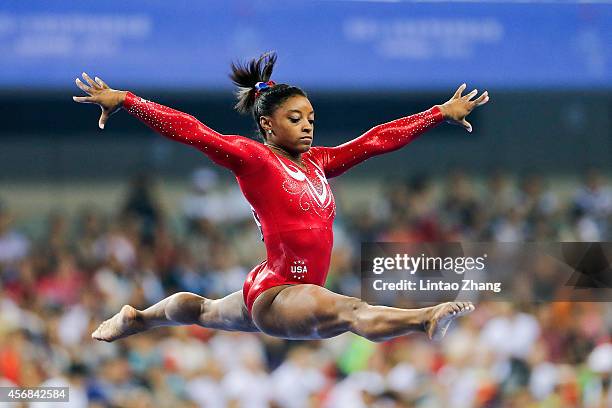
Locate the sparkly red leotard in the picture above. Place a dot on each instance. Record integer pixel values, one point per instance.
(294, 207)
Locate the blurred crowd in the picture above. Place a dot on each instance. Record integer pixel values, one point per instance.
(58, 282)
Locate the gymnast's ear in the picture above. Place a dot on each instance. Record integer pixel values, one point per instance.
(265, 122)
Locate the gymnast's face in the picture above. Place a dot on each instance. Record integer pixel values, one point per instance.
(292, 125)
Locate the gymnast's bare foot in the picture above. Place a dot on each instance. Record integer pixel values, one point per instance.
(442, 315)
(123, 324)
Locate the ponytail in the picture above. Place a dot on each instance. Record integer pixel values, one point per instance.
(256, 93)
(247, 75)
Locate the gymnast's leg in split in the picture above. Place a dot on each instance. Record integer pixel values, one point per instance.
(307, 311)
(289, 311)
(183, 308)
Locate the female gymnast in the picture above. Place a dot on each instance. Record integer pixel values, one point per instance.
(285, 181)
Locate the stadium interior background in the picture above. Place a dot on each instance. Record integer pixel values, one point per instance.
(91, 220)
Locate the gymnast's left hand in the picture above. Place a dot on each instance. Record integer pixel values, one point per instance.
(458, 107)
(110, 100)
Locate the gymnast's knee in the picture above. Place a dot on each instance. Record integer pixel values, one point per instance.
(186, 307)
(360, 320)
(353, 308)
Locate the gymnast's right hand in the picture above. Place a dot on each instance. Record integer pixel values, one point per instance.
(110, 100)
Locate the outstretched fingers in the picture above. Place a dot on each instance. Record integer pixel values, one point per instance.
(90, 90)
(90, 81)
(83, 99)
(103, 118)
(482, 99)
(459, 91)
(83, 87)
(98, 93)
(466, 125)
(461, 105)
(92, 86)
(472, 94)
(101, 83)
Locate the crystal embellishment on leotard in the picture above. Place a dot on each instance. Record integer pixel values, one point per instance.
(323, 198)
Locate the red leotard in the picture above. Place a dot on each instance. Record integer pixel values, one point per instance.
(293, 207)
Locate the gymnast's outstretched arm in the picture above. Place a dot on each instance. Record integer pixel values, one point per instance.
(237, 153)
(393, 135)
